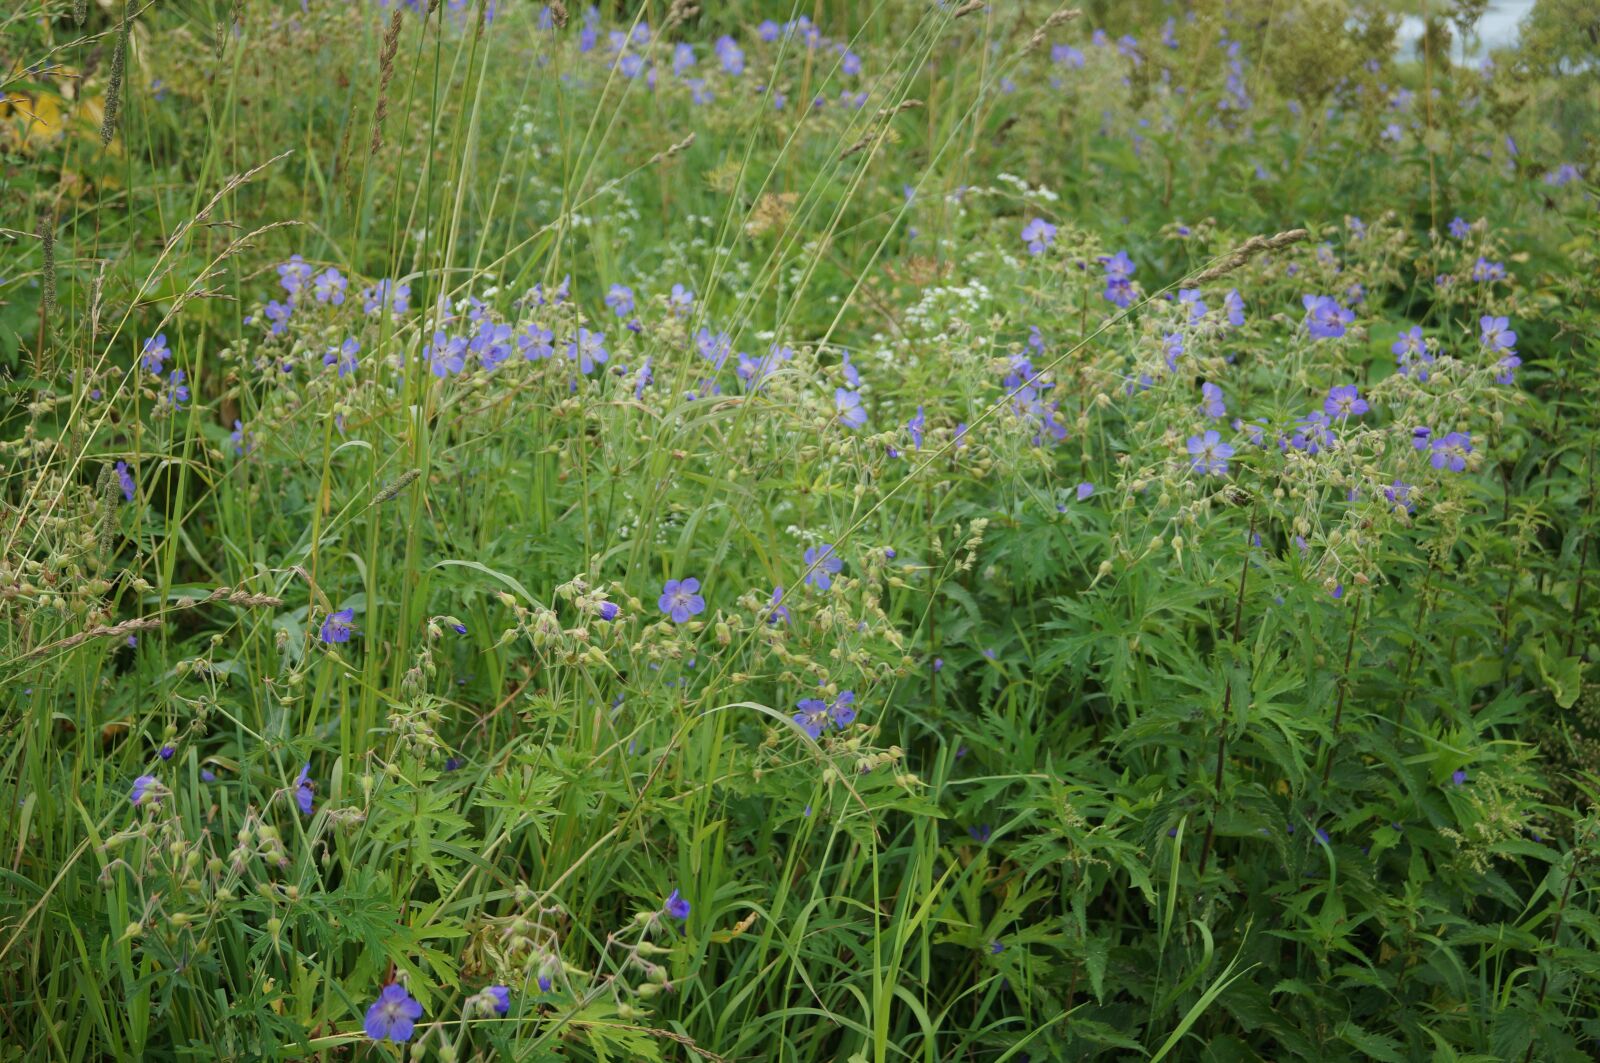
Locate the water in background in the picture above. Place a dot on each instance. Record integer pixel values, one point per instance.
(1496, 29)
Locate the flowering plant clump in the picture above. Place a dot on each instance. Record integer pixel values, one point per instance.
(984, 531)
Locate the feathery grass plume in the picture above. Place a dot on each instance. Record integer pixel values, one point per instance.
(107, 489)
(676, 149)
(680, 11)
(400, 483)
(1248, 250)
(391, 45)
(968, 8)
(80, 11)
(1064, 15)
(47, 240)
(119, 63)
(558, 14)
(236, 596)
(221, 39)
(882, 120)
(127, 627)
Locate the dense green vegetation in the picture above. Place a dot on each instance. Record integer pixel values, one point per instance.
(898, 531)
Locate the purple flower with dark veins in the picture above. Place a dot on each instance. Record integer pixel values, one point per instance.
(1325, 318)
(848, 406)
(337, 627)
(303, 788)
(821, 566)
(680, 599)
(1450, 451)
(393, 1016)
(1209, 454)
(1344, 401)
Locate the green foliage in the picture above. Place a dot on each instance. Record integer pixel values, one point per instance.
(1291, 761)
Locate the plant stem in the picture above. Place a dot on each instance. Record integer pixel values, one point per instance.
(1227, 703)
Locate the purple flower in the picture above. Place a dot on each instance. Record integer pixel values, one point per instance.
(294, 275)
(1450, 451)
(1233, 304)
(1420, 437)
(303, 788)
(393, 1016)
(607, 610)
(843, 710)
(1459, 777)
(177, 392)
(1191, 297)
(1508, 369)
(812, 717)
(681, 300)
(344, 356)
(447, 354)
(386, 293)
(848, 405)
(1563, 175)
(917, 426)
(1459, 228)
(145, 786)
(586, 349)
(125, 479)
(1410, 347)
(1085, 489)
(1483, 270)
(676, 906)
(1172, 349)
(1209, 454)
(995, 947)
(620, 300)
(1399, 496)
(816, 715)
(730, 55)
(680, 599)
(1325, 318)
(278, 315)
(1311, 434)
(536, 343)
(821, 566)
(682, 57)
(1119, 273)
(337, 628)
(1344, 401)
(1211, 403)
(851, 374)
(490, 343)
(329, 286)
(714, 347)
(166, 752)
(502, 998)
(1497, 334)
(777, 612)
(155, 353)
(1038, 234)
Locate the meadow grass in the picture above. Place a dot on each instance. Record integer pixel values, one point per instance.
(842, 531)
